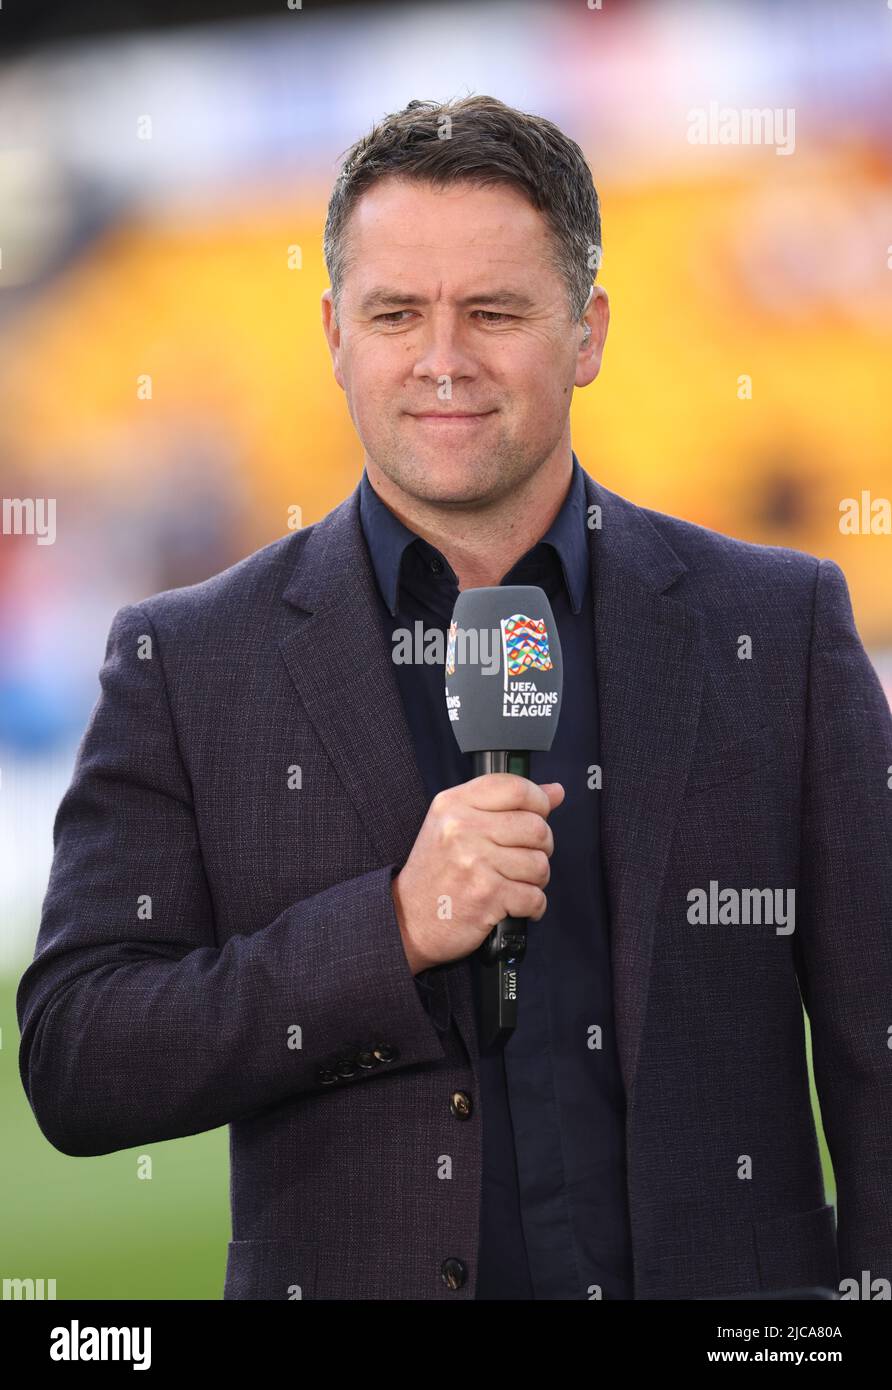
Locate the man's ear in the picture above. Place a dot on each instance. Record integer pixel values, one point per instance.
(332, 334)
(329, 317)
(594, 332)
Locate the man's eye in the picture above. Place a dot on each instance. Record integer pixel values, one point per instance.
(392, 319)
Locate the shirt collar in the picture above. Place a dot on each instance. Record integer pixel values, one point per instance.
(387, 539)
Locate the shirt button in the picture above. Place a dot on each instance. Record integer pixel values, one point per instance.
(454, 1273)
(437, 565)
(460, 1105)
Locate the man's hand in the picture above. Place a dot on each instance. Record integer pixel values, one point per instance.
(482, 854)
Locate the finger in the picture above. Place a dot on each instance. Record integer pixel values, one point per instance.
(506, 791)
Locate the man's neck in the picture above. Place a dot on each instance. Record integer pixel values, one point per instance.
(482, 544)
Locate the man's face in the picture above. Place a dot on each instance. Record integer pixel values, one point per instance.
(426, 329)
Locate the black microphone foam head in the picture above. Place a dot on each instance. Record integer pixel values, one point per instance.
(504, 673)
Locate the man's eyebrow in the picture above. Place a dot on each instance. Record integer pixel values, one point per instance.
(383, 297)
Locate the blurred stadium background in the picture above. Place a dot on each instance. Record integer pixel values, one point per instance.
(173, 254)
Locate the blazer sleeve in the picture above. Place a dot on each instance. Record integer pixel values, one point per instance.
(845, 915)
(135, 1025)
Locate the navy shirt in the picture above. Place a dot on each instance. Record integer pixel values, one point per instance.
(554, 1209)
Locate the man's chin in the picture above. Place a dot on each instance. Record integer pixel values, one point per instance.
(448, 483)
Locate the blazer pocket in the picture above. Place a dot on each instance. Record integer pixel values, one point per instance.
(270, 1269)
(798, 1250)
(715, 766)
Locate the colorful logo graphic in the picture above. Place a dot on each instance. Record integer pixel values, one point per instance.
(450, 649)
(526, 645)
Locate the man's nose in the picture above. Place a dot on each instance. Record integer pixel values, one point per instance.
(444, 348)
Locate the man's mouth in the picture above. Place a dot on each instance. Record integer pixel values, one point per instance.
(452, 417)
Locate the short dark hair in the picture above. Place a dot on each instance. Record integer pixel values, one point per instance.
(487, 143)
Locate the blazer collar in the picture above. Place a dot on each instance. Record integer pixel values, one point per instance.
(626, 539)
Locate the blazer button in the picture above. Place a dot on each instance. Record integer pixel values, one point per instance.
(346, 1067)
(460, 1104)
(385, 1053)
(365, 1060)
(325, 1076)
(454, 1273)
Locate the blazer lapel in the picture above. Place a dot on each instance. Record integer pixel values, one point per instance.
(339, 660)
(650, 674)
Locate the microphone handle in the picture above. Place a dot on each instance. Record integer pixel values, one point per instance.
(504, 948)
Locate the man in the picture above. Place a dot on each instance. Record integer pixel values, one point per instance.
(243, 923)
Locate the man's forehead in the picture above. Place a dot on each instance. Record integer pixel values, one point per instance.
(420, 217)
(461, 250)
(461, 267)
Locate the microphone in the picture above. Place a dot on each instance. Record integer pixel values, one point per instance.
(504, 681)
